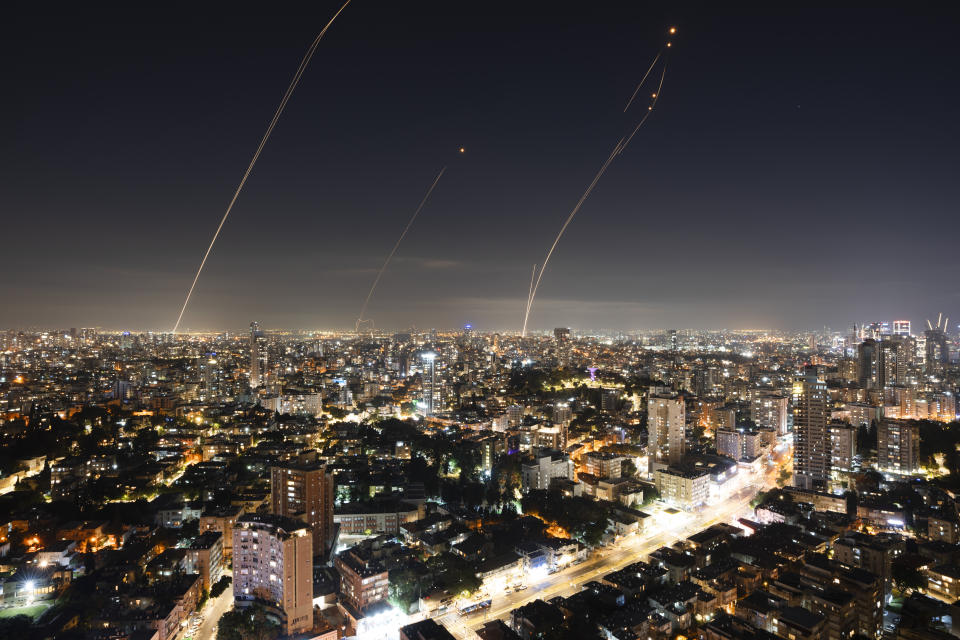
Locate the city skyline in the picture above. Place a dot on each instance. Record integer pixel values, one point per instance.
(782, 154)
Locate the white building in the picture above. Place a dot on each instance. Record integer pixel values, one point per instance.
(768, 409)
(683, 488)
(546, 466)
(309, 404)
(666, 424)
(273, 564)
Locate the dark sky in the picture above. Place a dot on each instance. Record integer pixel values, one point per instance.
(801, 169)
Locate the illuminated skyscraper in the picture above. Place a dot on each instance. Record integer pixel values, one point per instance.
(868, 359)
(429, 382)
(770, 409)
(273, 565)
(898, 446)
(894, 355)
(258, 356)
(937, 353)
(562, 413)
(561, 337)
(304, 491)
(666, 422)
(811, 438)
(843, 446)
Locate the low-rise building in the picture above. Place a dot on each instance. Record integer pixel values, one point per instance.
(546, 465)
(683, 487)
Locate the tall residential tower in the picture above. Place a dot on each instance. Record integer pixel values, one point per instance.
(811, 437)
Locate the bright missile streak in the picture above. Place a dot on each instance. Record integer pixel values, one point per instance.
(583, 198)
(533, 275)
(637, 90)
(396, 246)
(256, 155)
(617, 150)
(647, 114)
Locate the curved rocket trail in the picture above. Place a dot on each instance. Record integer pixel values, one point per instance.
(263, 141)
(617, 150)
(396, 245)
(644, 79)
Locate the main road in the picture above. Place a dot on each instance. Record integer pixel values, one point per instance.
(628, 550)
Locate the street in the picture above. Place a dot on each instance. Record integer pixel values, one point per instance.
(211, 613)
(626, 551)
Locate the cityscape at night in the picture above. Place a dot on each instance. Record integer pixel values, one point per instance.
(481, 321)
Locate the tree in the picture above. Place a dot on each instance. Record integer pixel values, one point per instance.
(784, 476)
(759, 499)
(628, 469)
(190, 528)
(454, 573)
(220, 586)
(582, 518)
(251, 623)
(404, 589)
(650, 495)
(906, 575)
(19, 626)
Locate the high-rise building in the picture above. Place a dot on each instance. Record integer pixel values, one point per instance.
(769, 409)
(609, 399)
(304, 491)
(273, 565)
(811, 438)
(898, 446)
(894, 356)
(666, 424)
(937, 352)
(429, 382)
(562, 413)
(561, 337)
(258, 356)
(843, 446)
(868, 359)
(901, 327)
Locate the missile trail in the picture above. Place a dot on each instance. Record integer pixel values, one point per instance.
(533, 275)
(583, 198)
(640, 84)
(649, 109)
(386, 262)
(617, 150)
(263, 141)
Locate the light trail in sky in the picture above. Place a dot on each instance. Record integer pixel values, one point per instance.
(376, 280)
(617, 150)
(263, 141)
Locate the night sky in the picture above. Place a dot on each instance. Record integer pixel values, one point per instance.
(801, 169)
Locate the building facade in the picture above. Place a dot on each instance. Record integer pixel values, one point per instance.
(305, 492)
(273, 565)
(811, 438)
